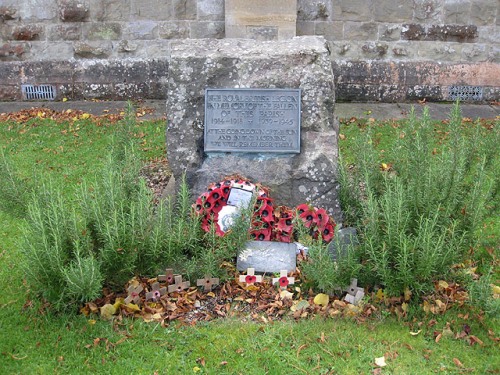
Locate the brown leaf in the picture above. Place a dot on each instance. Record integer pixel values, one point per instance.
(475, 340)
(457, 362)
(438, 337)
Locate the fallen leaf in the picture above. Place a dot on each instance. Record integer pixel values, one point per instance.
(321, 299)
(107, 311)
(457, 362)
(380, 362)
(407, 294)
(299, 305)
(475, 340)
(415, 333)
(443, 284)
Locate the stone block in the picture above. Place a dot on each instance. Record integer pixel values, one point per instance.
(412, 31)
(475, 52)
(13, 51)
(102, 31)
(10, 73)
(488, 34)
(140, 30)
(92, 50)
(402, 51)
(360, 31)
(38, 10)
(210, 29)
(375, 49)
(73, 10)
(428, 11)
(456, 12)
(111, 10)
(28, 32)
(242, 17)
(267, 256)
(184, 9)
(7, 13)
(210, 10)
(174, 30)
(389, 32)
(94, 90)
(395, 11)
(483, 12)
(344, 238)
(151, 10)
(66, 31)
(452, 33)
(10, 92)
(305, 28)
(330, 30)
(48, 72)
(314, 10)
(352, 10)
(302, 62)
(46, 51)
(446, 33)
(126, 46)
(440, 51)
(153, 48)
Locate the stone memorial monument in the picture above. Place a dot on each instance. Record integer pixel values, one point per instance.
(259, 108)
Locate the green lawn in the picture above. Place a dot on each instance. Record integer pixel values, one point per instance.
(35, 342)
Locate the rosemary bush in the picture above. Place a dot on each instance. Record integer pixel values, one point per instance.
(114, 231)
(419, 217)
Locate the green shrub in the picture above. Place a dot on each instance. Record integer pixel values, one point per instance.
(114, 231)
(421, 215)
(481, 295)
(323, 269)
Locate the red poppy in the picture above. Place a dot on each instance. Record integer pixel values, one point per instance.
(309, 217)
(250, 279)
(284, 224)
(261, 234)
(322, 216)
(302, 208)
(283, 281)
(214, 196)
(328, 232)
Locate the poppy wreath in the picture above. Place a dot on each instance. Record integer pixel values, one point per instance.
(317, 220)
(268, 222)
(210, 203)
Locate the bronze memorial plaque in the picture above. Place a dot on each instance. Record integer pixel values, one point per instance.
(252, 120)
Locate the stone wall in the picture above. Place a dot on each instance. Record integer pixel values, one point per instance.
(387, 50)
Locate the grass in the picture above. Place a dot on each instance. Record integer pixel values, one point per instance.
(31, 342)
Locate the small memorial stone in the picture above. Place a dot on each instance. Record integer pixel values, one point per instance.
(155, 293)
(250, 278)
(354, 293)
(207, 283)
(283, 280)
(178, 285)
(168, 277)
(268, 256)
(133, 293)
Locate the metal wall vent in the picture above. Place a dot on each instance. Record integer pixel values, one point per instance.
(38, 92)
(465, 93)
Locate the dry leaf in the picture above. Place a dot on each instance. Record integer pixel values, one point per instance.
(321, 299)
(415, 333)
(380, 362)
(107, 311)
(457, 362)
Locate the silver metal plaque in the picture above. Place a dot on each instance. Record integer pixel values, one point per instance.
(252, 120)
